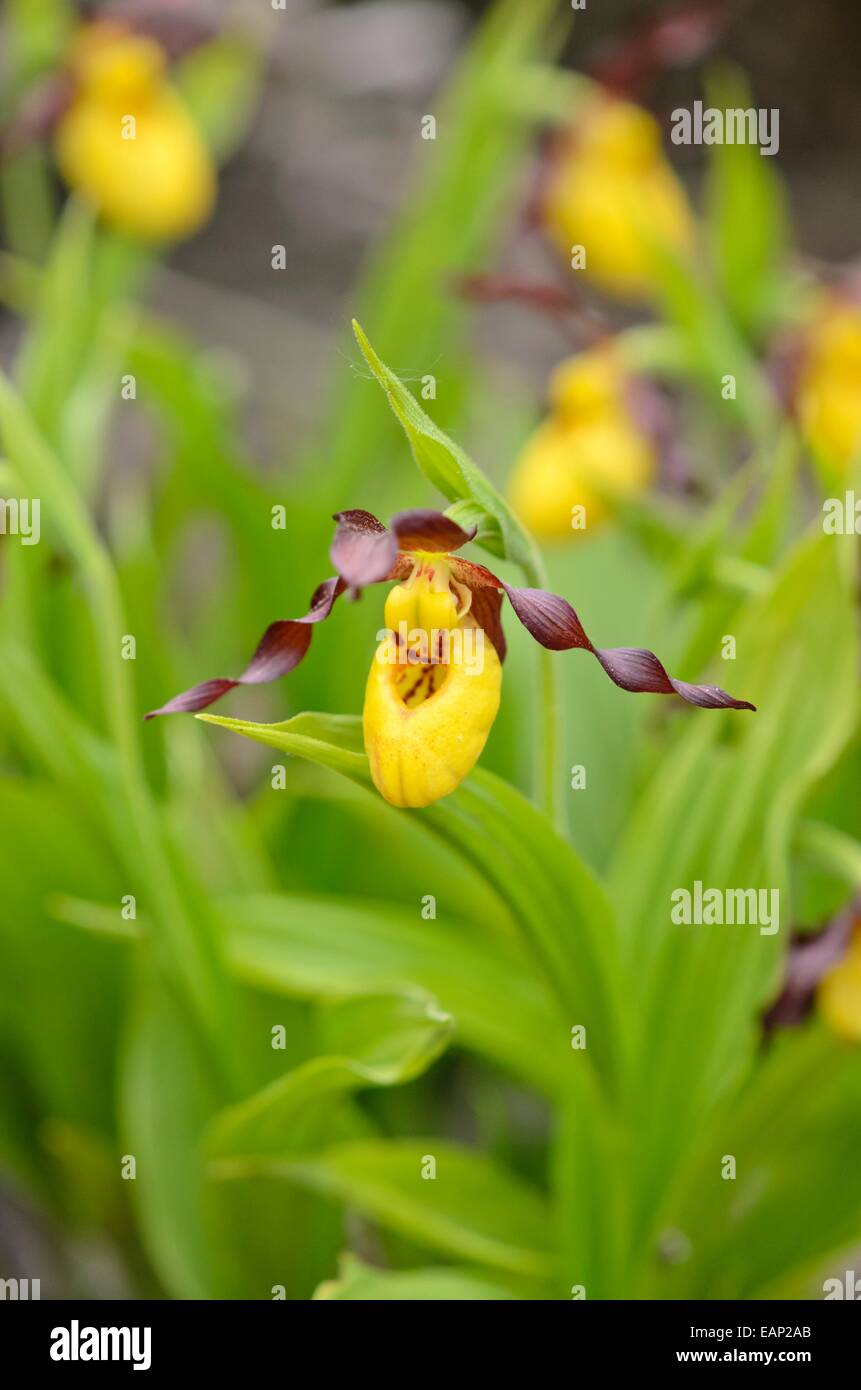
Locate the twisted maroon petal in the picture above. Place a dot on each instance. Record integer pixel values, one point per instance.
(280, 649)
(424, 529)
(552, 621)
(363, 550)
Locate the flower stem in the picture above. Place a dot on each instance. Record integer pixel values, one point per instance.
(548, 765)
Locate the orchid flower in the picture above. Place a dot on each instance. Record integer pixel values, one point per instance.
(828, 389)
(612, 191)
(153, 179)
(589, 451)
(429, 704)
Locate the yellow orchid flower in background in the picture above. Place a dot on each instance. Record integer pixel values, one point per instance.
(434, 686)
(839, 993)
(588, 451)
(613, 192)
(127, 143)
(828, 392)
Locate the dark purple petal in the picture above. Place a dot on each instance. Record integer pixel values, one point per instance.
(198, 697)
(552, 621)
(323, 599)
(363, 550)
(485, 609)
(473, 575)
(425, 529)
(280, 649)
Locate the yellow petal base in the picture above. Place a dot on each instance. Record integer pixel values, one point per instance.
(425, 732)
(829, 394)
(839, 994)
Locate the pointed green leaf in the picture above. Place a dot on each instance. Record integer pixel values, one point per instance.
(471, 1208)
(443, 462)
(564, 914)
(320, 948)
(374, 1041)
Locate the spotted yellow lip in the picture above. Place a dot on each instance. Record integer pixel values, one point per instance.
(429, 707)
(426, 725)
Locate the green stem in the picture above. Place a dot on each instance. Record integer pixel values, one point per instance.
(548, 778)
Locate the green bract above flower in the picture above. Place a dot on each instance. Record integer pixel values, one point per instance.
(429, 705)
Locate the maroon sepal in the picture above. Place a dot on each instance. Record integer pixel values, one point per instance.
(580, 322)
(424, 529)
(552, 621)
(280, 649)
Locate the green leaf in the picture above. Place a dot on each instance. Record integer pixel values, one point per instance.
(714, 346)
(721, 810)
(37, 35)
(472, 1208)
(220, 84)
(358, 1282)
(444, 463)
(373, 1041)
(330, 949)
(564, 915)
(53, 350)
(330, 740)
(792, 1129)
(744, 191)
(168, 1096)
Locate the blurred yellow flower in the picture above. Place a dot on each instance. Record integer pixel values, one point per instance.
(839, 992)
(128, 144)
(613, 193)
(829, 387)
(588, 452)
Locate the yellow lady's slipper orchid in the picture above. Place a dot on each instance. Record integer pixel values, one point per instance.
(613, 192)
(434, 686)
(426, 725)
(839, 992)
(127, 143)
(589, 450)
(828, 397)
